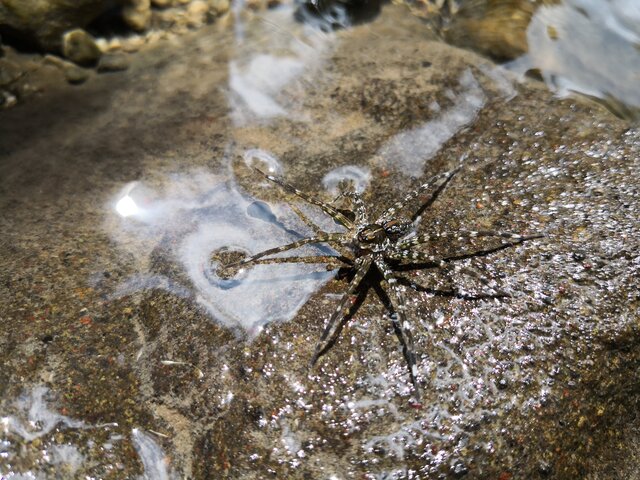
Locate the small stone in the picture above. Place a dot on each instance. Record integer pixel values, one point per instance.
(161, 3)
(197, 12)
(7, 99)
(153, 36)
(75, 74)
(103, 44)
(113, 62)
(114, 44)
(137, 14)
(72, 72)
(218, 7)
(80, 47)
(134, 43)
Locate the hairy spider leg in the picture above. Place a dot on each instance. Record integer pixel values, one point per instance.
(328, 209)
(418, 287)
(444, 177)
(431, 237)
(363, 264)
(400, 323)
(486, 251)
(306, 220)
(362, 216)
(329, 238)
(329, 259)
(415, 256)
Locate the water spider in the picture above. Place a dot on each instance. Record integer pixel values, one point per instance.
(381, 249)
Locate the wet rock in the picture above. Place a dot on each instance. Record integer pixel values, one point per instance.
(80, 47)
(497, 29)
(113, 62)
(137, 14)
(42, 22)
(170, 345)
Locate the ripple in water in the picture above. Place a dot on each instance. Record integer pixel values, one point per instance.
(209, 221)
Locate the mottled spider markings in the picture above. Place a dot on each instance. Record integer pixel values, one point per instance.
(385, 247)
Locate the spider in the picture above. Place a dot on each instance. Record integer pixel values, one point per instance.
(384, 246)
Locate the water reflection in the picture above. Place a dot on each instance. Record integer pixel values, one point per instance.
(589, 47)
(408, 151)
(359, 177)
(205, 216)
(269, 59)
(32, 417)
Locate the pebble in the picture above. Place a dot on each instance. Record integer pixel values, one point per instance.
(7, 99)
(197, 13)
(75, 75)
(80, 47)
(133, 44)
(137, 14)
(113, 62)
(72, 72)
(219, 7)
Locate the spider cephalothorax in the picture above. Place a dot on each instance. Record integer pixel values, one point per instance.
(372, 238)
(383, 247)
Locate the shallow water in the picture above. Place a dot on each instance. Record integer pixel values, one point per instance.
(575, 46)
(129, 353)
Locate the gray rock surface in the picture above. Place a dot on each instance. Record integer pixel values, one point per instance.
(119, 196)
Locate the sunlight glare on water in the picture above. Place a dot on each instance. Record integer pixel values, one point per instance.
(207, 215)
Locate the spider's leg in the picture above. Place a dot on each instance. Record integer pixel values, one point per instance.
(415, 256)
(512, 238)
(455, 293)
(406, 254)
(402, 327)
(306, 220)
(440, 180)
(362, 218)
(328, 259)
(316, 230)
(328, 238)
(333, 326)
(328, 209)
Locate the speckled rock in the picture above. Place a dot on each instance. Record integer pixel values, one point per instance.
(80, 47)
